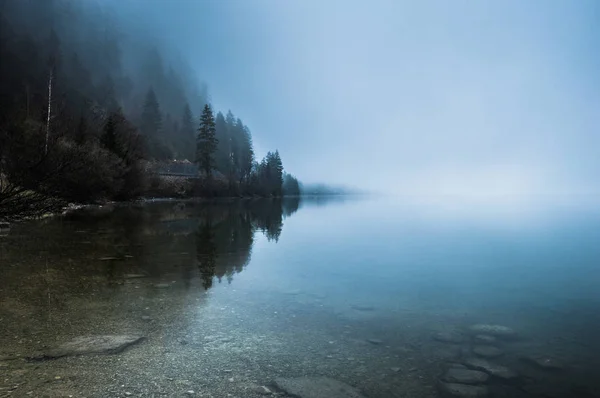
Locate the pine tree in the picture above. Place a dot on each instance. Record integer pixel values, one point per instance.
(245, 151)
(109, 134)
(277, 174)
(222, 158)
(206, 143)
(151, 116)
(231, 145)
(187, 132)
(291, 186)
(81, 133)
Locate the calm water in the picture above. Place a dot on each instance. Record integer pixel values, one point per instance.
(231, 295)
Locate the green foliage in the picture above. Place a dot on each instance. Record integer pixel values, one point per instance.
(105, 121)
(109, 136)
(206, 143)
(222, 158)
(291, 186)
(151, 116)
(187, 133)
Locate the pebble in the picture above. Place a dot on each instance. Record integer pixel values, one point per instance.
(449, 336)
(128, 394)
(490, 368)
(395, 369)
(463, 390)
(263, 390)
(484, 338)
(545, 362)
(363, 308)
(499, 331)
(162, 285)
(317, 387)
(190, 392)
(375, 341)
(487, 351)
(465, 376)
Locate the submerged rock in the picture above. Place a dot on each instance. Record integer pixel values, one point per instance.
(448, 352)
(262, 390)
(462, 390)
(316, 387)
(449, 336)
(363, 308)
(133, 276)
(465, 376)
(484, 338)
(551, 390)
(487, 351)
(108, 344)
(375, 341)
(493, 369)
(493, 330)
(544, 362)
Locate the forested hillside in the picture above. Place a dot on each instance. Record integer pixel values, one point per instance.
(87, 108)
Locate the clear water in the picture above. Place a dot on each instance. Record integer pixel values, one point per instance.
(232, 294)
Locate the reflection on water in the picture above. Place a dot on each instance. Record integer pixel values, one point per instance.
(232, 294)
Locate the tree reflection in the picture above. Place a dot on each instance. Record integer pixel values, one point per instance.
(206, 252)
(225, 234)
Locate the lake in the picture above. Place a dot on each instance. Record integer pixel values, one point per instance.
(251, 298)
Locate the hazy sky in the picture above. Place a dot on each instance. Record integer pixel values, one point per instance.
(413, 96)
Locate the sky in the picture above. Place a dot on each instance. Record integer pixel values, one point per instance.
(413, 97)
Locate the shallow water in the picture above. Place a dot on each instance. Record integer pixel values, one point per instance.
(232, 294)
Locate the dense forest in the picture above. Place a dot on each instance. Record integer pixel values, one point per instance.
(89, 113)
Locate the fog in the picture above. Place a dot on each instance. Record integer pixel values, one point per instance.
(463, 98)
(433, 97)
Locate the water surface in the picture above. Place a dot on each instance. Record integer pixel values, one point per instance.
(232, 294)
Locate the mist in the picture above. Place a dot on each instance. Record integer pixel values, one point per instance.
(487, 99)
(461, 98)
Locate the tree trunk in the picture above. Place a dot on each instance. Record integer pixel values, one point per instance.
(49, 110)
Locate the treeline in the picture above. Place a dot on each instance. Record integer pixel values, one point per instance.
(87, 108)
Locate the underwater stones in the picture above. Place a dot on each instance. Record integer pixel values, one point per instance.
(262, 390)
(498, 331)
(549, 390)
(462, 390)
(449, 336)
(316, 387)
(487, 351)
(485, 339)
(364, 308)
(465, 376)
(107, 344)
(134, 276)
(493, 369)
(375, 341)
(544, 362)
(448, 352)
(162, 285)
